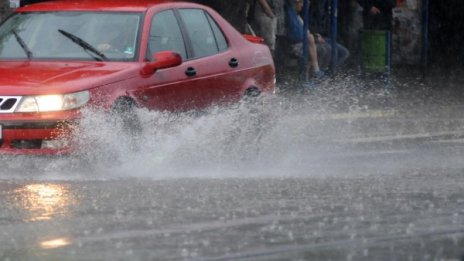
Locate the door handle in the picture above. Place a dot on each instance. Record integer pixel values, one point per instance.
(233, 62)
(191, 72)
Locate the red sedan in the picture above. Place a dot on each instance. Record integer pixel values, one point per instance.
(59, 57)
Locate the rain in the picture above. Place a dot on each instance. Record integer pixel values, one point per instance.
(354, 169)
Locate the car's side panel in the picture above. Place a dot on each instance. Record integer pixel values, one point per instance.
(178, 88)
(192, 85)
(255, 60)
(171, 89)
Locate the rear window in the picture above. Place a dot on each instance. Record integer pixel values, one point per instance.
(204, 34)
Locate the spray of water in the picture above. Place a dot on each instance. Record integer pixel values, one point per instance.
(287, 135)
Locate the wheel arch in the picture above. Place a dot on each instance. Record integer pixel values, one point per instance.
(251, 88)
(252, 91)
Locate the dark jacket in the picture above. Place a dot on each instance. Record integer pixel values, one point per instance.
(381, 21)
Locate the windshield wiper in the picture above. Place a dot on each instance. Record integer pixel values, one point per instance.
(85, 45)
(22, 44)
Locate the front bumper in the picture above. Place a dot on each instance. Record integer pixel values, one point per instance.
(50, 135)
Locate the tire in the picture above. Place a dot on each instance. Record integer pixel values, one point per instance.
(252, 93)
(252, 99)
(123, 111)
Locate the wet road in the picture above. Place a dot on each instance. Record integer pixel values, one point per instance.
(417, 216)
(369, 185)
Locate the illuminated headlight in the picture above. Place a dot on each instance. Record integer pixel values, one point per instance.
(58, 102)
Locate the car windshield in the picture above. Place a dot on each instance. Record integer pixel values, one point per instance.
(70, 35)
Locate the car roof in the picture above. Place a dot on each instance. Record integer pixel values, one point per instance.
(93, 5)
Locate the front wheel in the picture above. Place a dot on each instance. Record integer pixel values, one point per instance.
(125, 114)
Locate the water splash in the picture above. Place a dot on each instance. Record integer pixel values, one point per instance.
(288, 135)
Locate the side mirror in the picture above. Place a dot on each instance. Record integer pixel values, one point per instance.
(162, 60)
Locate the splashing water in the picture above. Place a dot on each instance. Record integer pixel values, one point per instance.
(285, 136)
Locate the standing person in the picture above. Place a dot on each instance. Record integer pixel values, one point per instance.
(268, 20)
(265, 22)
(377, 14)
(354, 26)
(279, 12)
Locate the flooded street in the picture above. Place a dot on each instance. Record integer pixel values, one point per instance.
(307, 177)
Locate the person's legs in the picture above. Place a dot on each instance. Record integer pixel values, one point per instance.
(342, 51)
(342, 54)
(313, 53)
(313, 59)
(324, 53)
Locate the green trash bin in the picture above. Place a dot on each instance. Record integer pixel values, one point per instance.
(375, 50)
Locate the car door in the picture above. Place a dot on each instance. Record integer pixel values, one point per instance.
(201, 79)
(171, 88)
(214, 59)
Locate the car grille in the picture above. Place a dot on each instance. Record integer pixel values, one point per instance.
(8, 103)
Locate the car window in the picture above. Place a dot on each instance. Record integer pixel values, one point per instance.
(220, 39)
(165, 35)
(200, 32)
(42, 35)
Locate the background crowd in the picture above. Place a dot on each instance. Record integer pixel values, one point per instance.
(273, 21)
(280, 22)
(444, 20)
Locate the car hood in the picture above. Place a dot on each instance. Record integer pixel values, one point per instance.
(32, 78)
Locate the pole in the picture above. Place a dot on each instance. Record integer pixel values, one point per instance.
(425, 33)
(334, 25)
(388, 60)
(306, 23)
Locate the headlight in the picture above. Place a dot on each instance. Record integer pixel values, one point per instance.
(58, 102)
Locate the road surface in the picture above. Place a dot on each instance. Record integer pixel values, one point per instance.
(293, 184)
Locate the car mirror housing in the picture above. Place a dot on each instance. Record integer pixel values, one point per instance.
(162, 60)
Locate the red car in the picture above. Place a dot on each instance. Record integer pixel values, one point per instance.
(58, 57)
